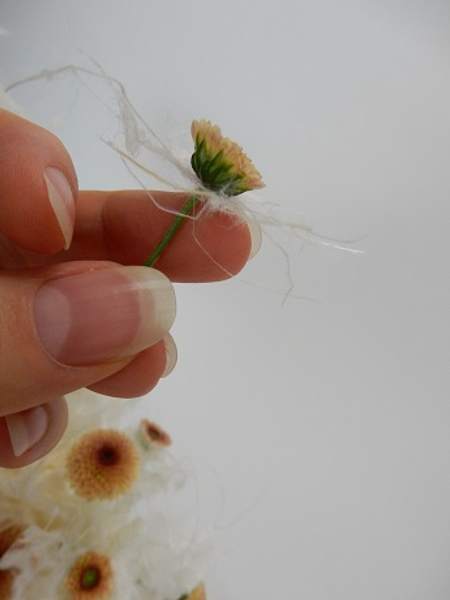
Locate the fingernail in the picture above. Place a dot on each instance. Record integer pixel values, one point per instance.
(171, 353)
(256, 237)
(61, 199)
(26, 428)
(103, 315)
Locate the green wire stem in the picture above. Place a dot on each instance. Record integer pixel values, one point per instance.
(177, 222)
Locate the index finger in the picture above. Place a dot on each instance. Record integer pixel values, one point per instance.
(125, 227)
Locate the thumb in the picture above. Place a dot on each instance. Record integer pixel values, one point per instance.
(64, 327)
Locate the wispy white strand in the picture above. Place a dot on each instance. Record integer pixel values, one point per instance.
(138, 136)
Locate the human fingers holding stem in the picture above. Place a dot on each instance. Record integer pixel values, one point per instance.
(75, 310)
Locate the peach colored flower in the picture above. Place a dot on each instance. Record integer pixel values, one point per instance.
(220, 164)
(197, 594)
(103, 464)
(90, 578)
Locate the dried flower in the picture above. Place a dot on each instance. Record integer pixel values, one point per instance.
(152, 434)
(90, 578)
(9, 534)
(103, 464)
(220, 164)
(197, 594)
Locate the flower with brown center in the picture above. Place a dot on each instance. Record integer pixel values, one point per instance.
(9, 534)
(91, 577)
(152, 435)
(103, 464)
(220, 164)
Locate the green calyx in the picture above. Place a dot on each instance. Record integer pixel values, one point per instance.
(215, 173)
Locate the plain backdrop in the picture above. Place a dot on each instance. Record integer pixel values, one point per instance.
(319, 427)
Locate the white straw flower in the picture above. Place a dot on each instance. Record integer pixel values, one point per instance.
(91, 577)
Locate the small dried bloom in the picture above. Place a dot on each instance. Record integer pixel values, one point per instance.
(9, 534)
(103, 464)
(152, 434)
(91, 577)
(220, 164)
(197, 594)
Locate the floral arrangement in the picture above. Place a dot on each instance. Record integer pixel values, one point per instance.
(92, 520)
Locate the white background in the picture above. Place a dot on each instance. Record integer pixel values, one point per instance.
(319, 428)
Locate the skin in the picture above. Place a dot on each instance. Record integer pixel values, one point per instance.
(118, 227)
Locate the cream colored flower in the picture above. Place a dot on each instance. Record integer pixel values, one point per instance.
(91, 577)
(103, 464)
(220, 164)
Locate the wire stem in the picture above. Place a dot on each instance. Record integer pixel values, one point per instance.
(177, 222)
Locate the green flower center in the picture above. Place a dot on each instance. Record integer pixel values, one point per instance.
(214, 172)
(90, 578)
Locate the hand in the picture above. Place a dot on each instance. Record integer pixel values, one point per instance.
(74, 311)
